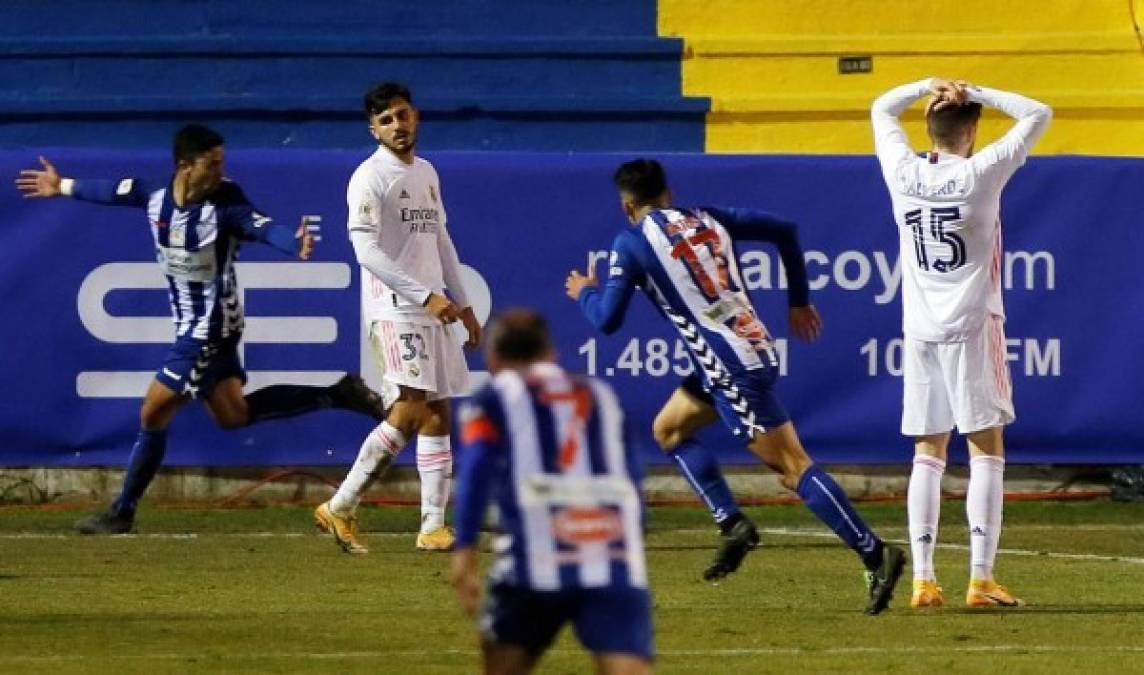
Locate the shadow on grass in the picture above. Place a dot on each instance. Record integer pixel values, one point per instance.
(765, 546)
(1053, 609)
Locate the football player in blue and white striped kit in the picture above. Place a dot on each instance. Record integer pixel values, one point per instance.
(684, 259)
(549, 448)
(198, 220)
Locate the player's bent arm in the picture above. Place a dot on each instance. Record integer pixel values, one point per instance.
(239, 214)
(890, 139)
(451, 267)
(758, 225)
(122, 192)
(605, 308)
(370, 256)
(1009, 152)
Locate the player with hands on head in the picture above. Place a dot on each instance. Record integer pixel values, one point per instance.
(946, 204)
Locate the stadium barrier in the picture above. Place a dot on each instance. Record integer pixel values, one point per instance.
(88, 317)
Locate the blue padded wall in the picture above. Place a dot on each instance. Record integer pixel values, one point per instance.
(510, 75)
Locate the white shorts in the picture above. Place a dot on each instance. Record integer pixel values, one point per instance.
(963, 384)
(428, 358)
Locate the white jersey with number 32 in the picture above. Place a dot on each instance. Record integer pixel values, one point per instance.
(947, 209)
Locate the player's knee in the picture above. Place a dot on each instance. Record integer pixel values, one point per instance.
(408, 416)
(230, 419)
(794, 466)
(155, 417)
(151, 418)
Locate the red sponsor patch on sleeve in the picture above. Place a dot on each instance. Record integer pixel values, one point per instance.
(479, 428)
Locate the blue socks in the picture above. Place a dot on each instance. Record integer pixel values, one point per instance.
(827, 501)
(146, 458)
(286, 400)
(701, 469)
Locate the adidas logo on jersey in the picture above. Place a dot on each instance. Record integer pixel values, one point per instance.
(404, 195)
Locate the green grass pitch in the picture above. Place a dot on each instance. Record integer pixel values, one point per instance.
(255, 590)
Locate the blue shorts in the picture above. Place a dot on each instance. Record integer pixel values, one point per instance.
(746, 401)
(194, 367)
(606, 620)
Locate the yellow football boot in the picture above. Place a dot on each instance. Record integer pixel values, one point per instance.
(989, 593)
(345, 530)
(926, 594)
(440, 539)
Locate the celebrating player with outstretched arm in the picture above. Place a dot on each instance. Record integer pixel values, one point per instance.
(397, 227)
(198, 220)
(684, 260)
(955, 373)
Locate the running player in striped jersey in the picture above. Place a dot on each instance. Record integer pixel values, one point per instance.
(955, 373)
(684, 260)
(549, 449)
(198, 219)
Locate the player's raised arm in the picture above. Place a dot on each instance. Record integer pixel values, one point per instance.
(46, 183)
(890, 140)
(1008, 153)
(606, 307)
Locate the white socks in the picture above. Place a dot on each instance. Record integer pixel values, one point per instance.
(983, 502)
(375, 456)
(435, 465)
(924, 508)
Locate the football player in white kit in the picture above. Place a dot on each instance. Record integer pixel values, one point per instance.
(397, 226)
(946, 205)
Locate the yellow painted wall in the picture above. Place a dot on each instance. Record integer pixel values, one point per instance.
(771, 67)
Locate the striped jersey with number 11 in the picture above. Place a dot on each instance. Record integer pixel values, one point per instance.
(684, 259)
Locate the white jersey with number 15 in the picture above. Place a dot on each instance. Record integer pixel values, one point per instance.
(947, 209)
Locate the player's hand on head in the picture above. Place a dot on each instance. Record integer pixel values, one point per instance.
(442, 308)
(575, 283)
(805, 323)
(948, 92)
(472, 327)
(39, 183)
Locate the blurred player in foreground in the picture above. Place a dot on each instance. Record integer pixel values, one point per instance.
(397, 227)
(955, 373)
(684, 260)
(198, 219)
(549, 447)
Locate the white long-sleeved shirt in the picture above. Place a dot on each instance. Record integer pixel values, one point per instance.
(397, 225)
(947, 209)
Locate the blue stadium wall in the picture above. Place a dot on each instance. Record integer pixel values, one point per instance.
(87, 316)
(541, 75)
(563, 90)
